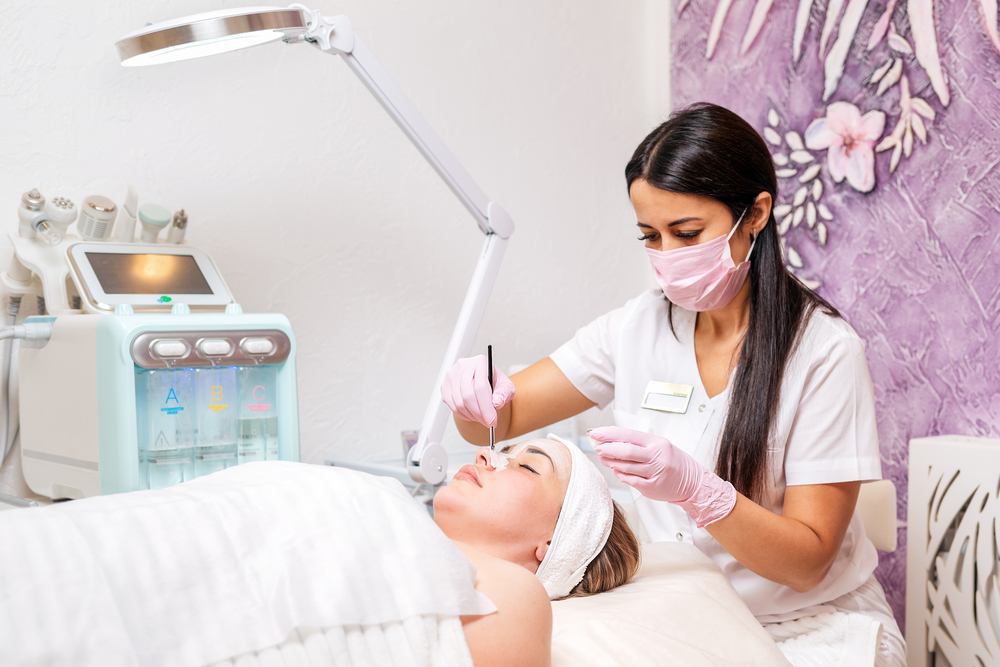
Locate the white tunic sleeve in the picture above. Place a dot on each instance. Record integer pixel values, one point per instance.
(832, 436)
(589, 359)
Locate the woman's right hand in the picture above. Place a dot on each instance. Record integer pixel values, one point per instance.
(466, 390)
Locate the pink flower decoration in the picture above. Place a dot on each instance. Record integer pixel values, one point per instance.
(848, 137)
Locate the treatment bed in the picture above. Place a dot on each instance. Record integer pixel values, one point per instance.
(281, 574)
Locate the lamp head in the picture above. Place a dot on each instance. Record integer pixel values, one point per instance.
(210, 33)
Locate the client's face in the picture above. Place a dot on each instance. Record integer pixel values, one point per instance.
(508, 513)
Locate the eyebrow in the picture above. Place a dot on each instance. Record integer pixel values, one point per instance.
(670, 224)
(535, 450)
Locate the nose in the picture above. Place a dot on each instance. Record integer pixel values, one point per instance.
(483, 457)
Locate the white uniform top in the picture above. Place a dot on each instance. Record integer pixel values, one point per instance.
(824, 433)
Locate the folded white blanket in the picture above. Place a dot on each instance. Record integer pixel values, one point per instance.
(828, 639)
(220, 566)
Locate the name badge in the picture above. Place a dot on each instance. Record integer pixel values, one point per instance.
(667, 397)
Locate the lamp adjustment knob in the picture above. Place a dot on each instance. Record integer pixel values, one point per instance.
(180, 309)
(234, 309)
(432, 468)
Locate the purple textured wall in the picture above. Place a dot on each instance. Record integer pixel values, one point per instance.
(914, 264)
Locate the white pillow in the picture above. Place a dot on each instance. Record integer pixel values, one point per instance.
(679, 609)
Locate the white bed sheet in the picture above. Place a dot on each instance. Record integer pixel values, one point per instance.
(829, 639)
(228, 563)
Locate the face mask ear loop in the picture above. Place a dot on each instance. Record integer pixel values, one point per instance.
(752, 244)
(737, 225)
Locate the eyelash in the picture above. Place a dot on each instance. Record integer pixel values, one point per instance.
(680, 235)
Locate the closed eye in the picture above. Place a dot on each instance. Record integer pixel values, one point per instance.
(523, 465)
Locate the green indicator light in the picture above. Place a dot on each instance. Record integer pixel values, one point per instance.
(165, 299)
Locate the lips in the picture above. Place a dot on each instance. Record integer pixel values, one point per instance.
(469, 473)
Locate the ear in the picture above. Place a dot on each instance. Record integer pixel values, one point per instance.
(541, 550)
(761, 212)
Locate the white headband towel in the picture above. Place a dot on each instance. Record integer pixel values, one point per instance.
(582, 529)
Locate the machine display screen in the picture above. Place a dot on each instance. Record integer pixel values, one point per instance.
(148, 273)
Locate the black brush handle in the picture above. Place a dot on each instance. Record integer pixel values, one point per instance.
(489, 360)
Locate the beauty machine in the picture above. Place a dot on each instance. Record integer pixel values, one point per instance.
(143, 372)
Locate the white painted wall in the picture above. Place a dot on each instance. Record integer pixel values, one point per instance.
(314, 204)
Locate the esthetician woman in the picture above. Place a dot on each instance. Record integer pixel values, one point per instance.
(744, 411)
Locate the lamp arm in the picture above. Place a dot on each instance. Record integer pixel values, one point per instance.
(427, 460)
(336, 35)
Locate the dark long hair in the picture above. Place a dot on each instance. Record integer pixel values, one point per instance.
(709, 151)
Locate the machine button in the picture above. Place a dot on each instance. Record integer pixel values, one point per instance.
(169, 349)
(255, 346)
(215, 347)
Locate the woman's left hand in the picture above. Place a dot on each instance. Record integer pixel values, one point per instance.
(650, 464)
(660, 471)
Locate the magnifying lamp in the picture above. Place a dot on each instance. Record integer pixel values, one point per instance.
(229, 30)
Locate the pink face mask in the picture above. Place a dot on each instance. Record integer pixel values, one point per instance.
(701, 277)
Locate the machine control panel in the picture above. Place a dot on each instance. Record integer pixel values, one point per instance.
(189, 349)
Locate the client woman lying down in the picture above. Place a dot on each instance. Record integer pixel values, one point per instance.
(548, 511)
(332, 565)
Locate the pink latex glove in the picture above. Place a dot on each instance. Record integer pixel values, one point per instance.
(660, 471)
(466, 390)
